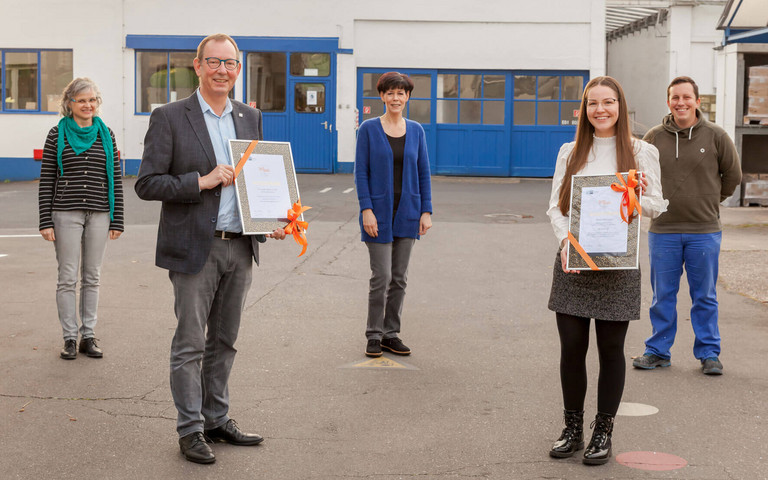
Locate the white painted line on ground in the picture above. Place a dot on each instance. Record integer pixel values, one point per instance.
(20, 236)
(326, 189)
(349, 189)
(3, 255)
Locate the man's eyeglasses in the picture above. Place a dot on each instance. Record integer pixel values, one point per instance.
(83, 101)
(229, 63)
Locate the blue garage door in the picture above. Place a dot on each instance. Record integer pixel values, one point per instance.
(487, 123)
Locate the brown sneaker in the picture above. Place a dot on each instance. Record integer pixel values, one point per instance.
(373, 349)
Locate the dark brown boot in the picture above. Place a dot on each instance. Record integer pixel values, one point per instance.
(572, 438)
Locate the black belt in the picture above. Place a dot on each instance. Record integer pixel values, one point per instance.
(226, 235)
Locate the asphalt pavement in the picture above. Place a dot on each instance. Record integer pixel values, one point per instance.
(478, 398)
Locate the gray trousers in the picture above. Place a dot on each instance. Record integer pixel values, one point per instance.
(389, 273)
(80, 235)
(201, 360)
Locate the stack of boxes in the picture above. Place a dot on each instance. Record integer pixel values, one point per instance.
(757, 96)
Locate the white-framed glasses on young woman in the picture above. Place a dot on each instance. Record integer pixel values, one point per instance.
(605, 103)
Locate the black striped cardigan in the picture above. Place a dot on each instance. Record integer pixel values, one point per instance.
(84, 185)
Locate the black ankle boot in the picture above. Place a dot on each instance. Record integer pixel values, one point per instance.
(572, 438)
(599, 449)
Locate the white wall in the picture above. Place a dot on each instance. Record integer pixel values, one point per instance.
(94, 31)
(646, 61)
(639, 62)
(483, 34)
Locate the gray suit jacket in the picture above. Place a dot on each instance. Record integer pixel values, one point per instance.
(177, 151)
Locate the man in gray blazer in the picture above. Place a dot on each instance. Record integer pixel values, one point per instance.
(186, 166)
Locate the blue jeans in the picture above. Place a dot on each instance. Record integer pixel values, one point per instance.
(699, 252)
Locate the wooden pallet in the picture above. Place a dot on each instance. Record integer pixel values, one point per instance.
(755, 119)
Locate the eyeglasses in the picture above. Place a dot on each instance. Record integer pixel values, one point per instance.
(608, 102)
(84, 101)
(229, 63)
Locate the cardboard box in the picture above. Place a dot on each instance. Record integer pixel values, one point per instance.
(758, 71)
(757, 90)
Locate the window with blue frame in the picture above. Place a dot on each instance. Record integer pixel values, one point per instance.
(32, 80)
(419, 106)
(162, 77)
(266, 80)
(470, 98)
(546, 99)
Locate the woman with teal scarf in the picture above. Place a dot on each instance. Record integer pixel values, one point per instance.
(81, 205)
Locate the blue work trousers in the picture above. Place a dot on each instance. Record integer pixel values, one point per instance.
(699, 253)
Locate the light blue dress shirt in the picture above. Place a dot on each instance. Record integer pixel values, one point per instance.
(221, 129)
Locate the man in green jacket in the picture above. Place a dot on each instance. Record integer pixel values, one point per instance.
(699, 169)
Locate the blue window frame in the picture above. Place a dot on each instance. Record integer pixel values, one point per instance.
(32, 80)
(164, 76)
(487, 122)
(547, 98)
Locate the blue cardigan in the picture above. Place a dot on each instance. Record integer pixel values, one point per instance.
(374, 180)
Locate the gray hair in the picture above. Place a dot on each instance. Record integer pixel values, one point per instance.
(75, 88)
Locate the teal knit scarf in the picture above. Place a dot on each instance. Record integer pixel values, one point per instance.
(81, 139)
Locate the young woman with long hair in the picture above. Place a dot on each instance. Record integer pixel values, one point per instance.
(604, 145)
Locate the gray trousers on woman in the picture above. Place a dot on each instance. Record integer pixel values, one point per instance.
(389, 273)
(80, 235)
(208, 307)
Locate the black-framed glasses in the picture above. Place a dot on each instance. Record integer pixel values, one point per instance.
(229, 63)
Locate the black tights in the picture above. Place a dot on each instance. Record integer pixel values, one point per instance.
(574, 342)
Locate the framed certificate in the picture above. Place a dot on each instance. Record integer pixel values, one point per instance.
(266, 185)
(597, 223)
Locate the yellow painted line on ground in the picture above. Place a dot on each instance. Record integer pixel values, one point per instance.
(380, 363)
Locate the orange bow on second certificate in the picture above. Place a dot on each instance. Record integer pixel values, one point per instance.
(297, 227)
(629, 199)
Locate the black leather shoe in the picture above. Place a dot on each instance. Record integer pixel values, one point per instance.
(598, 451)
(88, 346)
(572, 438)
(395, 345)
(69, 352)
(195, 448)
(230, 433)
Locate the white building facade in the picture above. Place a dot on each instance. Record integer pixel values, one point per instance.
(681, 40)
(497, 81)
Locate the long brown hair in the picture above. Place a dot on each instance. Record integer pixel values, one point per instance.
(625, 156)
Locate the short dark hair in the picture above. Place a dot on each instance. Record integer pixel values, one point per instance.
(394, 80)
(216, 37)
(679, 80)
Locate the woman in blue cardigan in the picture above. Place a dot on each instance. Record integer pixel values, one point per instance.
(395, 195)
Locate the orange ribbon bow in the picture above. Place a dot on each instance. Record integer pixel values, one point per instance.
(296, 226)
(629, 199)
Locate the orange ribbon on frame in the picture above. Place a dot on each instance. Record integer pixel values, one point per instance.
(582, 252)
(244, 158)
(629, 199)
(297, 227)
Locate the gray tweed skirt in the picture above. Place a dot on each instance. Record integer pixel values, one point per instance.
(603, 295)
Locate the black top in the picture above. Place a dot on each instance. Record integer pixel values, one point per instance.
(397, 144)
